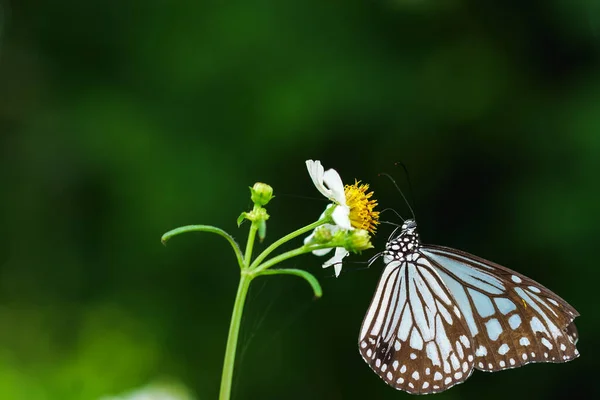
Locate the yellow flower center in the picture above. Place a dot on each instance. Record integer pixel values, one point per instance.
(361, 207)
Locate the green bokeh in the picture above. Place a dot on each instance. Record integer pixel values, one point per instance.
(122, 120)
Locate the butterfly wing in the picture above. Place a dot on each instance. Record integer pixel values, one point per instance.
(414, 335)
(512, 319)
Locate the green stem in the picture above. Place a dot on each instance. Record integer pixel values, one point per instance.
(285, 239)
(205, 228)
(285, 256)
(232, 339)
(250, 245)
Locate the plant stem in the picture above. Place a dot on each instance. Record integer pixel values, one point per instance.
(250, 245)
(284, 256)
(285, 239)
(232, 338)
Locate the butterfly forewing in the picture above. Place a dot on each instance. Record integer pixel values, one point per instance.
(438, 313)
(513, 320)
(414, 336)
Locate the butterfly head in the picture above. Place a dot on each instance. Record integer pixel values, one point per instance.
(409, 224)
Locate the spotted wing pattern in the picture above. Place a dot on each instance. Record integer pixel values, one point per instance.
(414, 336)
(513, 320)
(439, 313)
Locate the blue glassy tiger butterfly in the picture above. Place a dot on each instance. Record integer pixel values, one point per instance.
(439, 313)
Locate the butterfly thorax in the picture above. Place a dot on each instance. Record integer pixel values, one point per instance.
(404, 245)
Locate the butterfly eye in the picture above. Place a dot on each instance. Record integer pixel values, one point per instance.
(409, 224)
(440, 313)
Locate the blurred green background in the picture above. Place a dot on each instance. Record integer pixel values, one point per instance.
(120, 120)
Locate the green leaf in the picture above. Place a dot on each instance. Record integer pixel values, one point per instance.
(241, 219)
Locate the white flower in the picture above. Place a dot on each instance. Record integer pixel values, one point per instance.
(331, 186)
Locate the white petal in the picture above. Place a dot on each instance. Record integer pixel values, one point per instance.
(327, 182)
(341, 217)
(336, 260)
(316, 172)
(334, 182)
(321, 252)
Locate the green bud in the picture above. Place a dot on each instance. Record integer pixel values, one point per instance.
(358, 240)
(261, 193)
(262, 229)
(322, 235)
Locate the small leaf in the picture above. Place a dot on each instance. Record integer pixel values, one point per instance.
(241, 218)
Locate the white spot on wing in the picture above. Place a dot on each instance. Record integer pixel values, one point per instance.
(481, 351)
(483, 304)
(494, 329)
(405, 324)
(504, 305)
(416, 341)
(465, 341)
(514, 321)
(537, 326)
(503, 349)
(432, 354)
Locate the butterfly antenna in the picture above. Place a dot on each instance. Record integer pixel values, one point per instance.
(401, 193)
(393, 233)
(410, 186)
(394, 211)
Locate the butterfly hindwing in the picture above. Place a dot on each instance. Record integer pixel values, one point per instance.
(513, 319)
(414, 336)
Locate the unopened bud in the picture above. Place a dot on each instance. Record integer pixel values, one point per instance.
(358, 240)
(322, 235)
(261, 193)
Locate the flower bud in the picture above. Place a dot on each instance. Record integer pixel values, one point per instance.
(322, 235)
(261, 193)
(358, 240)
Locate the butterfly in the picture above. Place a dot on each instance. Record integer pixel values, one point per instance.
(439, 313)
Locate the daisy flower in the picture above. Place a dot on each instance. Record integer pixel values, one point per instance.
(354, 209)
